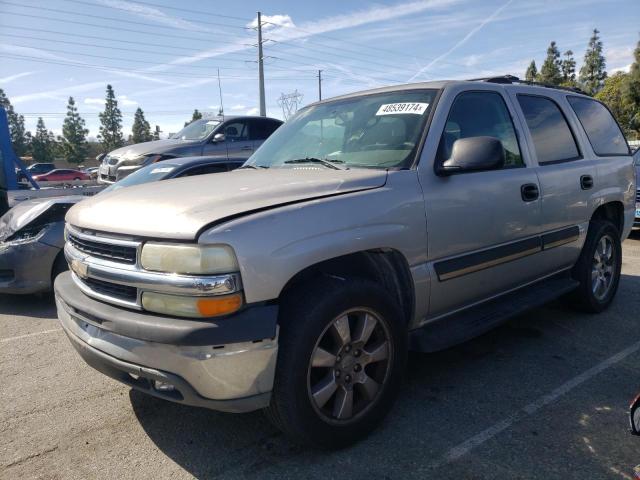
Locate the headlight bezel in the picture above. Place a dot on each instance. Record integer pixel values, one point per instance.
(188, 258)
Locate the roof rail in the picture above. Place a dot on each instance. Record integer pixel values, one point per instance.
(511, 79)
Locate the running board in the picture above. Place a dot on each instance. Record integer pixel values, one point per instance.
(459, 327)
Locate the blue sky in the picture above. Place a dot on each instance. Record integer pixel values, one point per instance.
(163, 56)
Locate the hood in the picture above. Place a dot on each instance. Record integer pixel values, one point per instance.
(180, 208)
(156, 146)
(25, 212)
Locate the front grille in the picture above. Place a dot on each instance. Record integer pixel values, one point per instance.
(638, 195)
(106, 251)
(114, 290)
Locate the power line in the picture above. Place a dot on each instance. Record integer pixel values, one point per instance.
(101, 17)
(180, 9)
(120, 29)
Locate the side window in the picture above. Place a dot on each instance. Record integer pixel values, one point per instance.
(236, 131)
(600, 126)
(261, 129)
(552, 137)
(480, 114)
(204, 169)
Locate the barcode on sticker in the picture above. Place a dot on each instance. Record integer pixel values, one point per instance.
(405, 107)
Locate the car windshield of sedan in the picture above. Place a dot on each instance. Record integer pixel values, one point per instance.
(150, 173)
(371, 131)
(197, 130)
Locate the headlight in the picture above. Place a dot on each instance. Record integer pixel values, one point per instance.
(191, 306)
(188, 259)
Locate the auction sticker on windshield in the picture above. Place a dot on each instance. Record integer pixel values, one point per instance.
(405, 107)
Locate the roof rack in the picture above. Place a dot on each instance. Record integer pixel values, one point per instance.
(511, 79)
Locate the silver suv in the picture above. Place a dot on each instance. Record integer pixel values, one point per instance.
(413, 216)
(229, 136)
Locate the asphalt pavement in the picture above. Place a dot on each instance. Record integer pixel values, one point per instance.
(544, 396)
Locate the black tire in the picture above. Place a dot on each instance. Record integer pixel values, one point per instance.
(306, 315)
(584, 298)
(59, 265)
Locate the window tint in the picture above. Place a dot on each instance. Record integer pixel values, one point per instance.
(552, 137)
(236, 131)
(601, 128)
(262, 129)
(480, 114)
(204, 169)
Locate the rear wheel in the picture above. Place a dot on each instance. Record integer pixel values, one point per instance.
(342, 352)
(598, 268)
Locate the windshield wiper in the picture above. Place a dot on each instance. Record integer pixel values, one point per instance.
(322, 161)
(255, 167)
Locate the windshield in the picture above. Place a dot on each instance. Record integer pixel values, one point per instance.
(197, 130)
(371, 131)
(150, 173)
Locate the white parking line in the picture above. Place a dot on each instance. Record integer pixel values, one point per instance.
(477, 440)
(10, 339)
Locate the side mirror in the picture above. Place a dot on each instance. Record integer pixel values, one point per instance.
(474, 154)
(634, 416)
(100, 157)
(218, 137)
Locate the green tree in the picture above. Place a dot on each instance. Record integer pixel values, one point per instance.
(110, 135)
(74, 144)
(612, 94)
(568, 68)
(19, 137)
(550, 70)
(43, 145)
(196, 116)
(532, 72)
(632, 91)
(141, 130)
(593, 72)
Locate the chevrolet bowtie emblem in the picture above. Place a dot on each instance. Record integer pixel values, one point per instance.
(79, 268)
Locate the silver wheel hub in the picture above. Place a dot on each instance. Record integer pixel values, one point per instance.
(602, 270)
(349, 365)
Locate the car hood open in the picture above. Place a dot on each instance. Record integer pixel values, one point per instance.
(179, 209)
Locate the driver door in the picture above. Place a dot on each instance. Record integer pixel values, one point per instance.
(482, 230)
(236, 143)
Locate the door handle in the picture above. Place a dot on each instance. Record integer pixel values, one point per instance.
(529, 192)
(586, 182)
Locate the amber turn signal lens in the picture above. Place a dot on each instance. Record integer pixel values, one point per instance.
(212, 307)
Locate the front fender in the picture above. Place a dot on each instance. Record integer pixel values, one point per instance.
(274, 245)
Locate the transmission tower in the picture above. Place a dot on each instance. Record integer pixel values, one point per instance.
(289, 103)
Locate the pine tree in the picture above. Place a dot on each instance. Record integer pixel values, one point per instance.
(74, 135)
(550, 71)
(532, 72)
(43, 145)
(19, 137)
(110, 135)
(568, 67)
(593, 72)
(141, 130)
(196, 116)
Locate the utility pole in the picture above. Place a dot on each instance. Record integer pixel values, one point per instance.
(319, 84)
(263, 110)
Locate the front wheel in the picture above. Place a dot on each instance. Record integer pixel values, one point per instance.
(342, 353)
(598, 268)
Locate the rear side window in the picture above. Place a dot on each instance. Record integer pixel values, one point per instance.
(262, 129)
(604, 134)
(480, 114)
(552, 137)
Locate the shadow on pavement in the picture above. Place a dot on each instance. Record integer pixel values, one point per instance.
(500, 372)
(39, 305)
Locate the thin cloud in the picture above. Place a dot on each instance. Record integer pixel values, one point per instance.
(11, 78)
(152, 14)
(66, 91)
(462, 41)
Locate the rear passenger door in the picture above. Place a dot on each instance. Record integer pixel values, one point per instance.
(482, 230)
(261, 129)
(567, 177)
